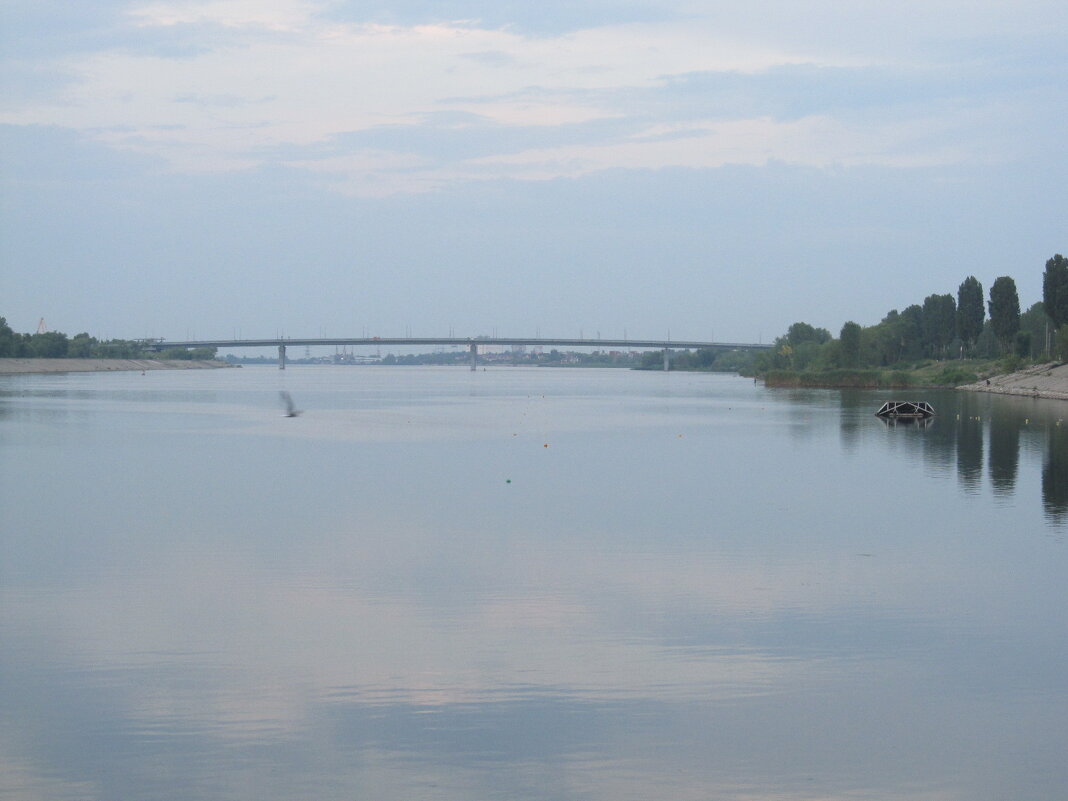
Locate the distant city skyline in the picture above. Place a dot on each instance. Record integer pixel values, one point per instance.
(171, 168)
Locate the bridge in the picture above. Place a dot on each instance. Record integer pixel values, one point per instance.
(471, 343)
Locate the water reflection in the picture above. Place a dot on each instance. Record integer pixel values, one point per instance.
(1055, 474)
(403, 594)
(1005, 428)
(974, 435)
(969, 444)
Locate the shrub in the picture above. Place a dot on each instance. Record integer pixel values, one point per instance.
(955, 376)
(1060, 344)
(1011, 363)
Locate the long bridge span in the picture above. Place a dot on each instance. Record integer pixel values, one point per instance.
(471, 343)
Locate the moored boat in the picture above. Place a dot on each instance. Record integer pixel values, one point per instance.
(913, 410)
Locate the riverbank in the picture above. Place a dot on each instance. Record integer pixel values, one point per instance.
(838, 379)
(15, 366)
(946, 374)
(1038, 381)
(927, 374)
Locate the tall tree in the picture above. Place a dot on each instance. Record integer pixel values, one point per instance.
(849, 341)
(970, 311)
(1004, 310)
(910, 330)
(939, 322)
(1055, 290)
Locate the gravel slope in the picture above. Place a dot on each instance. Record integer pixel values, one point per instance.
(1040, 381)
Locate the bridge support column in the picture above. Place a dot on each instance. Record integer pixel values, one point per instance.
(667, 359)
(474, 356)
(281, 357)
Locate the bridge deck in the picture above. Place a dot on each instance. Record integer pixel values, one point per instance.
(658, 344)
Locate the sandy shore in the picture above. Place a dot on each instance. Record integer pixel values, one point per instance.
(1039, 381)
(11, 366)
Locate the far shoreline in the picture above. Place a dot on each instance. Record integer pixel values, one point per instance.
(15, 366)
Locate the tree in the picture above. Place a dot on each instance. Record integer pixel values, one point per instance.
(910, 329)
(1055, 290)
(807, 355)
(8, 343)
(884, 340)
(970, 311)
(803, 332)
(1035, 322)
(49, 345)
(1022, 345)
(939, 322)
(849, 353)
(1004, 310)
(1060, 344)
(80, 346)
(705, 358)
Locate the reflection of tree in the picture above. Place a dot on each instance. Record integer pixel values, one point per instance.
(1004, 451)
(856, 407)
(970, 451)
(940, 440)
(1055, 475)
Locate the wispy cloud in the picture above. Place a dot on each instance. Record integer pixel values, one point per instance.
(280, 15)
(692, 89)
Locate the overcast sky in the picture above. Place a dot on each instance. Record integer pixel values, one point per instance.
(212, 168)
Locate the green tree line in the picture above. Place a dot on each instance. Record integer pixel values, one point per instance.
(943, 326)
(717, 360)
(57, 345)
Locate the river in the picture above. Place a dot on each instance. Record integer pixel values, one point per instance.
(526, 583)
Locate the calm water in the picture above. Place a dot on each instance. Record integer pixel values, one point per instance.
(526, 584)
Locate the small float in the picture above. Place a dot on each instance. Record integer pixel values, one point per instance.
(905, 410)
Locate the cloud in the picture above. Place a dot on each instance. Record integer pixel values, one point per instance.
(285, 76)
(280, 15)
(314, 85)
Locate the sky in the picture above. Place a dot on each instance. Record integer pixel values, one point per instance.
(647, 168)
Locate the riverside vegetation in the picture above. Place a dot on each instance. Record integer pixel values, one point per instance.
(57, 345)
(946, 341)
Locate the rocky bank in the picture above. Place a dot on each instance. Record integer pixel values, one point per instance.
(1038, 381)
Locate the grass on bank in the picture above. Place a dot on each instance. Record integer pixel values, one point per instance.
(927, 373)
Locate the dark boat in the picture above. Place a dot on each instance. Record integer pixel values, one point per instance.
(911, 410)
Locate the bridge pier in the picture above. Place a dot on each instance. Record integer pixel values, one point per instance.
(281, 357)
(667, 359)
(474, 356)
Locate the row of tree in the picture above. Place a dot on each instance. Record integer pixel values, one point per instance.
(57, 345)
(941, 327)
